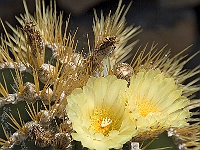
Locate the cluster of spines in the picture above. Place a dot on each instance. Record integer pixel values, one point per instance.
(39, 131)
(71, 70)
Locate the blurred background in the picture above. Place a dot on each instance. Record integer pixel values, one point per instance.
(172, 22)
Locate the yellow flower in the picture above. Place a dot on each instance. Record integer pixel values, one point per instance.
(155, 103)
(98, 115)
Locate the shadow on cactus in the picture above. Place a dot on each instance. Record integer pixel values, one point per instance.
(54, 97)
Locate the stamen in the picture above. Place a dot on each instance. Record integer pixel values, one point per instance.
(146, 107)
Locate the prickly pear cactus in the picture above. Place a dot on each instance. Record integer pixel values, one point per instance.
(55, 97)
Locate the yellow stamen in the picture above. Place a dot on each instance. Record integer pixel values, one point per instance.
(102, 122)
(146, 107)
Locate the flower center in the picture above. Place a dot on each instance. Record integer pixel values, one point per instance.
(102, 122)
(145, 107)
(105, 122)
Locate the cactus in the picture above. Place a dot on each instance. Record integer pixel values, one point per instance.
(46, 70)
